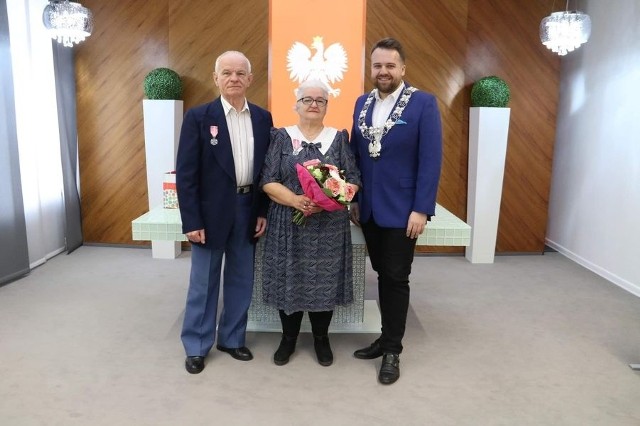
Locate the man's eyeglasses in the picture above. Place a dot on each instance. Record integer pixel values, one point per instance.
(308, 100)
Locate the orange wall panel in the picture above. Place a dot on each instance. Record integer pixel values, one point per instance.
(298, 50)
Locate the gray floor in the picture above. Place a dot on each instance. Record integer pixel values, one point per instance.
(92, 338)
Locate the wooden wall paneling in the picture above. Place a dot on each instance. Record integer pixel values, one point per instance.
(503, 40)
(449, 45)
(433, 34)
(200, 30)
(129, 39)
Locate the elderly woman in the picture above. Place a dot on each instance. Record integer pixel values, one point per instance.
(306, 267)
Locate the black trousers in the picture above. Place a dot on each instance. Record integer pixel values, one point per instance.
(320, 322)
(391, 254)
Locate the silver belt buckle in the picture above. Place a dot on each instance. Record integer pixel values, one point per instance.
(244, 189)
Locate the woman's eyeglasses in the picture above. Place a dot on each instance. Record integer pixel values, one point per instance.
(308, 100)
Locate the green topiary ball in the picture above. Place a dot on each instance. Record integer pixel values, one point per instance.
(163, 83)
(490, 91)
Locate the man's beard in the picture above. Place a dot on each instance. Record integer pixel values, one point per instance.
(387, 87)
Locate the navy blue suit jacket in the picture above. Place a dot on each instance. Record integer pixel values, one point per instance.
(205, 173)
(406, 175)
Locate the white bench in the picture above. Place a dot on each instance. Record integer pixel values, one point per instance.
(163, 226)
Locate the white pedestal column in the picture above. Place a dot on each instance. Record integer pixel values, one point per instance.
(162, 123)
(165, 249)
(488, 131)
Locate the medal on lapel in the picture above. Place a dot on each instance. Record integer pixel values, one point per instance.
(375, 146)
(214, 133)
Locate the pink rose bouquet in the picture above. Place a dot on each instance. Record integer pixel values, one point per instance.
(325, 185)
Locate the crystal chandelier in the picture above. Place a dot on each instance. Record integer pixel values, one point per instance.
(67, 22)
(563, 32)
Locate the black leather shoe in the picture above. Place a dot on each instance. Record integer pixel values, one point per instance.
(285, 350)
(370, 352)
(323, 350)
(194, 364)
(390, 369)
(241, 354)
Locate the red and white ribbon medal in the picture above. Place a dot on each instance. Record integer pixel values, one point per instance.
(214, 133)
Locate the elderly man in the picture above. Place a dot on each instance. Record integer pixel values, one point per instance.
(220, 155)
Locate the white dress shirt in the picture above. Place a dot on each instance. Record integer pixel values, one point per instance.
(241, 134)
(383, 107)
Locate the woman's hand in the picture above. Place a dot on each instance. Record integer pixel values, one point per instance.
(283, 195)
(354, 213)
(305, 205)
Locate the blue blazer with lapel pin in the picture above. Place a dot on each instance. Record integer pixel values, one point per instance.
(390, 189)
(206, 177)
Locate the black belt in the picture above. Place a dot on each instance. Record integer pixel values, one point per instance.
(244, 189)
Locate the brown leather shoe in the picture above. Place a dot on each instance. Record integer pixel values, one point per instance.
(370, 352)
(390, 369)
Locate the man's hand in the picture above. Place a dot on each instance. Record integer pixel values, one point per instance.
(196, 236)
(261, 226)
(416, 224)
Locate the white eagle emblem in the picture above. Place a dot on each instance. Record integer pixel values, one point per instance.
(327, 65)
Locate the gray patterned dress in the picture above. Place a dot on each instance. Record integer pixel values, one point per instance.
(306, 268)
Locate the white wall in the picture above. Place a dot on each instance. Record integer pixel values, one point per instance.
(594, 212)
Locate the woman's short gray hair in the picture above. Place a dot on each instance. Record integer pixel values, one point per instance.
(312, 84)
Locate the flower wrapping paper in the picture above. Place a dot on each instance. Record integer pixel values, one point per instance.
(312, 190)
(169, 192)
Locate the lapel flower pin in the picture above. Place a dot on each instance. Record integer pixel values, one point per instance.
(297, 146)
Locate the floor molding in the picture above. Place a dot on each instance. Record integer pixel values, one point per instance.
(615, 279)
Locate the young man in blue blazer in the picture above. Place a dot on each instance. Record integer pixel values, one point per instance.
(397, 141)
(220, 155)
